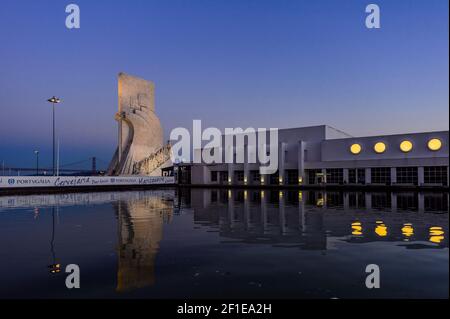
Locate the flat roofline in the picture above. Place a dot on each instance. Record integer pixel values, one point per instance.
(397, 134)
(303, 127)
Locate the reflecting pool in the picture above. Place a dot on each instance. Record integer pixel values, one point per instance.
(219, 243)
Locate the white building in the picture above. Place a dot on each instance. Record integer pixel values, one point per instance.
(322, 155)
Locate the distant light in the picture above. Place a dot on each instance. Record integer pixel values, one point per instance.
(434, 144)
(407, 230)
(381, 229)
(356, 229)
(355, 148)
(436, 234)
(406, 146)
(379, 147)
(54, 99)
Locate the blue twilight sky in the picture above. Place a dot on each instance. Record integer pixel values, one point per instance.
(231, 63)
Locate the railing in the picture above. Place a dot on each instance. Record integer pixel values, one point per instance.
(153, 162)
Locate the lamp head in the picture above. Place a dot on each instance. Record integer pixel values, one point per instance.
(54, 99)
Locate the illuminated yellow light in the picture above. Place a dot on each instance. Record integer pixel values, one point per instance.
(406, 146)
(229, 194)
(407, 230)
(300, 196)
(229, 180)
(436, 234)
(356, 229)
(434, 144)
(262, 180)
(381, 229)
(355, 149)
(319, 202)
(379, 147)
(245, 194)
(280, 194)
(300, 180)
(280, 179)
(262, 194)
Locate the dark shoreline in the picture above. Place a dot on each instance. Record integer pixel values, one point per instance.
(108, 188)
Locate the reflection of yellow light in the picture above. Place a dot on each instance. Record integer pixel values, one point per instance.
(300, 180)
(436, 234)
(319, 202)
(262, 194)
(300, 196)
(406, 146)
(381, 229)
(355, 149)
(280, 179)
(356, 229)
(229, 194)
(280, 194)
(262, 180)
(245, 180)
(55, 268)
(245, 194)
(407, 230)
(379, 147)
(434, 144)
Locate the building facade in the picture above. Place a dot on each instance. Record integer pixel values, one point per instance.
(322, 155)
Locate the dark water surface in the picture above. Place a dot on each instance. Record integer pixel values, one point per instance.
(204, 243)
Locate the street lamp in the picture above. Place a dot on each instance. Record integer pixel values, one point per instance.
(54, 100)
(37, 162)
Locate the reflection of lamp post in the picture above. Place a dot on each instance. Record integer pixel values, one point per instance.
(54, 267)
(54, 100)
(37, 162)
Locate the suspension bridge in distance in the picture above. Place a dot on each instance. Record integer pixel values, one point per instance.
(84, 167)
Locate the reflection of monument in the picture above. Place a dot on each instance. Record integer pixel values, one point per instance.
(140, 231)
(140, 146)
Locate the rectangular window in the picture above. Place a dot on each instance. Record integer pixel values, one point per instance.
(255, 176)
(335, 176)
(292, 176)
(361, 175)
(312, 176)
(224, 177)
(352, 176)
(214, 176)
(239, 176)
(381, 175)
(407, 175)
(435, 175)
(274, 179)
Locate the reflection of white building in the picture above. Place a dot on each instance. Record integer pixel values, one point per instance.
(325, 155)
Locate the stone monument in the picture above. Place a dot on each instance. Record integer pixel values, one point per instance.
(140, 150)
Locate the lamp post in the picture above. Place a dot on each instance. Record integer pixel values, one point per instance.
(54, 100)
(37, 162)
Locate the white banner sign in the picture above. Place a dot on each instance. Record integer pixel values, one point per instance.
(76, 181)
